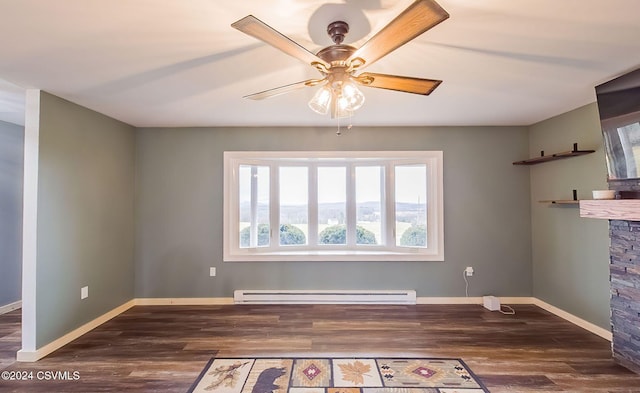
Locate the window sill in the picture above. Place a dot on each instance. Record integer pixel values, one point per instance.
(415, 254)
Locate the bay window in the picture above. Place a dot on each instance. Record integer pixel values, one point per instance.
(333, 206)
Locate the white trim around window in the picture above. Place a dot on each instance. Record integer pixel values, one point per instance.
(335, 206)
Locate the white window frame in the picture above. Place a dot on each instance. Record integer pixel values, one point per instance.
(388, 251)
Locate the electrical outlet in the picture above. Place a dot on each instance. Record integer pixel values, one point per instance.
(469, 271)
(212, 271)
(84, 292)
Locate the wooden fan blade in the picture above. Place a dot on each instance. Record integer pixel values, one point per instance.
(284, 89)
(256, 28)
(398, 83)
(413, 21)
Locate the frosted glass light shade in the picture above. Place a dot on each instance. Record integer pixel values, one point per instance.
(321, 101)
(341, 108)
(353, 95)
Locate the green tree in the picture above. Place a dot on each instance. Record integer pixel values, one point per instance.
(263, 236)
(414, 236)
(337, 234)
(289, 234)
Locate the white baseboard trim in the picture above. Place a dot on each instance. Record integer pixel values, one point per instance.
(449, 300)
(32, 356)
(188, 301)
(597, 330)
(10, 307)
(604, 333)
(472, 300)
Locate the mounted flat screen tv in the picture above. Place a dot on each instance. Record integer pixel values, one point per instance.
(619, 106)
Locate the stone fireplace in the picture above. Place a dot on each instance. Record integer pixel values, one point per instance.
(624, 269)
(625, 291)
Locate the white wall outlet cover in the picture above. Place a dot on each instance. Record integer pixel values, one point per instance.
(84, 292)
(212, 271)
(469, 271)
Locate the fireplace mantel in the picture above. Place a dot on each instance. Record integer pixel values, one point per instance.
(611, 209)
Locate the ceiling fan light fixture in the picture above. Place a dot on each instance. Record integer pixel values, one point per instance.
(342, 100)
(321, 101)
(353, 96)
(341, 108)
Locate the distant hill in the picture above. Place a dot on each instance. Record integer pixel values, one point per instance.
(331, 211)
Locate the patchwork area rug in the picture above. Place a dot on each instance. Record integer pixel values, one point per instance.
(337, 375)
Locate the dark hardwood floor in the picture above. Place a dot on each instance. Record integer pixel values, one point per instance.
(164, 348)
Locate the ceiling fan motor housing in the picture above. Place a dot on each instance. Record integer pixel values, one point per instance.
(337, 30)
(336, 55)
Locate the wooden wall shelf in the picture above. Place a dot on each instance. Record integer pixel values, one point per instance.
(611, 209)
(557, 156)
(561, 202)
(573, 201)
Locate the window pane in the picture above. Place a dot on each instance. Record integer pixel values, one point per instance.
(254, 206)
(332, 205)
(294, 205)
(411, 205)
(369, 204)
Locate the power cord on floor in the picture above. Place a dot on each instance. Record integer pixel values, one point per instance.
(466, 283)
(510, 311)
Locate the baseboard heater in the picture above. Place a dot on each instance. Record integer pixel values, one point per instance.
(324, 297)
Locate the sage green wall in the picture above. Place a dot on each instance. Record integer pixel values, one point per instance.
(11, 171)
(570, 253)
(179, 206)
(85, 216)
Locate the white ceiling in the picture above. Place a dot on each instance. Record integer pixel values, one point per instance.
(179, 63)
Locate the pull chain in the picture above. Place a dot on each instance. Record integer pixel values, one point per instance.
(339, 132)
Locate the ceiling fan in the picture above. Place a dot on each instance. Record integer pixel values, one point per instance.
(339, 63)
